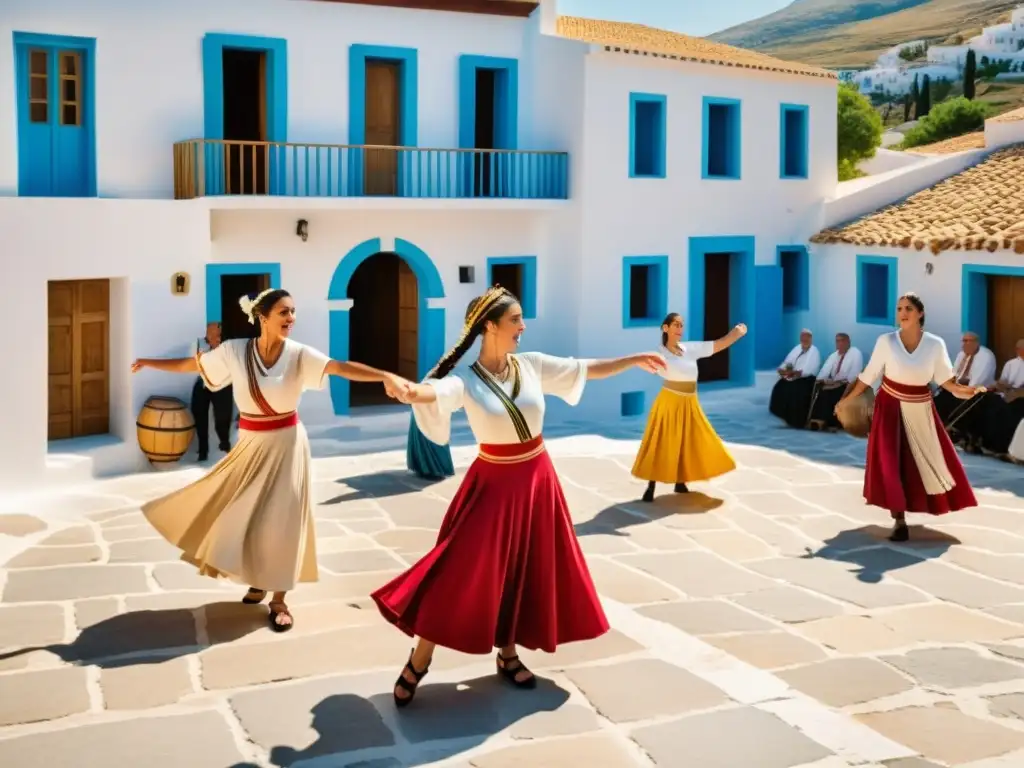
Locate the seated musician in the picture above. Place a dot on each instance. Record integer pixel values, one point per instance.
(975, 366)
(1003, 409)
(791, 396)
(837, 375)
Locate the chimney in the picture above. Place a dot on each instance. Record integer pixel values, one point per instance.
(548, 11)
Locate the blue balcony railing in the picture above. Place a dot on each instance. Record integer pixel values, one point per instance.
(208, 167)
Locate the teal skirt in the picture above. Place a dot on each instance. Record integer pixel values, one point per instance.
(428, 460)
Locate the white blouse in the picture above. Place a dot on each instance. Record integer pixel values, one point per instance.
(807, 362)
(542, 374)
(1013, 373)
(852, 364)
(928, 363)
(684, 367)
(297, 369)
(983, 367)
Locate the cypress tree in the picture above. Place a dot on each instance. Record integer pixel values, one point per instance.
(970, 74)
(924, 100)
(914, 97)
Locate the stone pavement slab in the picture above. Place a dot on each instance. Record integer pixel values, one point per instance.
(762, 621)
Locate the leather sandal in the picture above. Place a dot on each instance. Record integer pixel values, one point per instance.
(254, 596)
(407, 686)
(282, 610)
(510, 667)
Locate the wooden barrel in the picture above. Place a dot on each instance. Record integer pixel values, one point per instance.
(165, 428)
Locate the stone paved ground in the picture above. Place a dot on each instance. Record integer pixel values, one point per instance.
(763, 621)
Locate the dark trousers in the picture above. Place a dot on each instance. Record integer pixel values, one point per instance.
(223, 409)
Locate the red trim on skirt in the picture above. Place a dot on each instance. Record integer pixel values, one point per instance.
(268, 425)
(507, 568)
(892, 480)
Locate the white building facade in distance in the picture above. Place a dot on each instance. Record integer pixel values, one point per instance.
(384, 162)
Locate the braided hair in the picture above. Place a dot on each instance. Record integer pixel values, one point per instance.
(490, 307)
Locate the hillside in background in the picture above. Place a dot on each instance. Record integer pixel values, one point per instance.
(851, 33)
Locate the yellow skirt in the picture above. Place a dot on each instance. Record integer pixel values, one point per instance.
(250, 520)
(680, 445)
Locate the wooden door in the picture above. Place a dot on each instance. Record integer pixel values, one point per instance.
(79, 358)
(382, 127)
(716, 314)
(1005, 316)
(408, 322)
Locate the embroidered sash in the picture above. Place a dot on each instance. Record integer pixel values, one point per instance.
(251, 362)
(518, 420)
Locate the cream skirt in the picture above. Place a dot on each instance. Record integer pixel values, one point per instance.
(250, 519)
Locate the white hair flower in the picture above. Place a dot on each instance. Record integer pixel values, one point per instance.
(249, 305)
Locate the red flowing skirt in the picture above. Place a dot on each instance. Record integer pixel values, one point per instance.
(891, 478)
(507, 568)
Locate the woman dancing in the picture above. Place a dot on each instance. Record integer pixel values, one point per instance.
(680, 446)
(250, 518)
(911, 463)
(426, 459)
(507, 569)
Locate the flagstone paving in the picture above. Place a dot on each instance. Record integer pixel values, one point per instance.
(761, 621)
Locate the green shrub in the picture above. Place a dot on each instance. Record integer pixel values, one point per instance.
(859, 130)
(946, 120)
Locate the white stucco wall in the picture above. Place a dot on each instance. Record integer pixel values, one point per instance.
(834, 274)
(149, 75)
(639, 217)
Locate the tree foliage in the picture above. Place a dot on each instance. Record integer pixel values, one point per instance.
(859, 130)
(970, 74)
(924, 98)
(948, 119)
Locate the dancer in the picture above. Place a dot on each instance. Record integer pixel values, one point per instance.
(507, 569)
(911, 463)
(426, 459)
(680, 446)
(250, 518)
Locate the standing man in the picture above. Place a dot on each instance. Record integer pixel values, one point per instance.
(202, 398)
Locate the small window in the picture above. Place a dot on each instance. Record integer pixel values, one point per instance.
(466, 274)
(794, 143)
(647, 136)
(721, 139)
(70, 88)
(39, 86)
(876, 289)
(519, 275)
(644, 295)
(795, 283)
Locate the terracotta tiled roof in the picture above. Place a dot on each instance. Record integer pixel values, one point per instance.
(1009, 117)
(638, 39)
(956, 144)
(981, 208)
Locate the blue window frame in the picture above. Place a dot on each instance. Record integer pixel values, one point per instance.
(644, 291)
(647, 136)
(55, 89)
(794, 133)
(795, 264)
(519, 275)
(214, 273)
(722, 141)
(631, 403)
(876, 289)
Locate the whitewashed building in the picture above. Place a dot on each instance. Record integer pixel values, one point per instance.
(160, 160)
(893, 75)
(950, 227)
(1002, 42)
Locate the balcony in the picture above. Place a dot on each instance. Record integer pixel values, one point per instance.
(217, 167)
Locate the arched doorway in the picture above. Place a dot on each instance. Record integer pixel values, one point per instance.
(383, 322)
(402, 287)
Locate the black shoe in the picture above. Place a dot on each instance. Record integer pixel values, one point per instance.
(649, 493)
(203, 456)
(900, 532)
(407, 686)
(226, 447)
(510, 667)
(681, 488)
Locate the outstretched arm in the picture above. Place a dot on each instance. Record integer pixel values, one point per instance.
(395, 386)
(730, 338)
(172, 365)
(603, 369)
(960, 390)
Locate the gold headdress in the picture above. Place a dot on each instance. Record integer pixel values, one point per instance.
(249, 305)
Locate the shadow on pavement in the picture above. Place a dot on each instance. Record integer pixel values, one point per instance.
(869, 548)
(612, 520)
(163, 634)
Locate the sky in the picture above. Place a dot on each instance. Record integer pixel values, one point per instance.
(692, 17)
